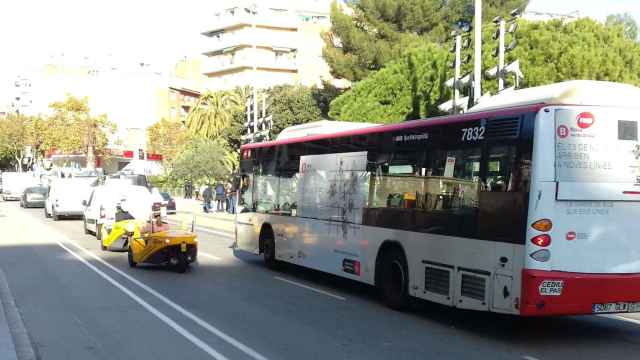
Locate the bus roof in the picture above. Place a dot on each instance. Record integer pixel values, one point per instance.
(575, 92)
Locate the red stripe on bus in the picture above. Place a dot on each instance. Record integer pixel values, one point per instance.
(579, 292)
(407, 125)
(631, 192)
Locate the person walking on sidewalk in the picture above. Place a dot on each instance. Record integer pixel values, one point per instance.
(231, 199)
(220, 197)
(207, 196)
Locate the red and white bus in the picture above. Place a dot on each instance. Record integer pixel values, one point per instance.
(528, 204)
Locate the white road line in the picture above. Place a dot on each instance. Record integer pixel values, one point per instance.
(310, 288)
(527, 357)
(182, 331)
(622, 318)
(212, 329)
(213, 257)
(213, 232)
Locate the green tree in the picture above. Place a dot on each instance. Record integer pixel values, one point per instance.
(14, 139)
(74, 129)
(408, 88)
(233, 132)
(627, 22)
(380, 31)
(213, 113)
(203, 159)
(291, 105)
(167, 138)
(324, 96)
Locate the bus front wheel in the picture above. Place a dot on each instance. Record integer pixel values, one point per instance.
(394, 279)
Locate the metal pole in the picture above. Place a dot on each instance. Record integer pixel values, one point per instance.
(456, 75)
(255, 71)
(500, 74)
(477, 69)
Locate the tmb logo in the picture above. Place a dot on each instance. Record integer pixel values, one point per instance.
(562, 131)
(585, 120)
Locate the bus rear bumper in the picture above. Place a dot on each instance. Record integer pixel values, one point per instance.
(546, 293)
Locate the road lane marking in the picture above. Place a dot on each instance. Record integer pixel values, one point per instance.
(527, 357)
(213, 257)
(179, 329)
(622, 318)
(310, 288)
(212, 329)
(213, 232)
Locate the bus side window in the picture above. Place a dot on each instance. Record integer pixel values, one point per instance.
(246, 193)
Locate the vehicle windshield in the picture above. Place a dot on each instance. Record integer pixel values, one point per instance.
(36, 190)
(165, 196)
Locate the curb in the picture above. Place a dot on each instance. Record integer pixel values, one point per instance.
(20, 347)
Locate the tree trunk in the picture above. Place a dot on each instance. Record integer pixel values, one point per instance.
(91, 158)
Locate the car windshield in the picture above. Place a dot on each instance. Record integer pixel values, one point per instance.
(165, 196)
(36, 190)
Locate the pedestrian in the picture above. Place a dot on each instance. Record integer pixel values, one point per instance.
(186, 189)
(220, 197)
(231, 200)
(189, 188)
(197, 193)
(207, 195)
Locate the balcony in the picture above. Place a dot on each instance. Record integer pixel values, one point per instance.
(216, 66)
(225, 42)
(240, 17)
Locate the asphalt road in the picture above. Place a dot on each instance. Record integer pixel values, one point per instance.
(78, 302)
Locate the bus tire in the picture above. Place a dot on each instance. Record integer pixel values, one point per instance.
(394, 279)
(268, 248)
(130, 260)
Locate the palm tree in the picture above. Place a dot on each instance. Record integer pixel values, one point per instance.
(212, 113)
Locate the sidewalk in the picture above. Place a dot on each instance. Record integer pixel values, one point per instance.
(216, 220)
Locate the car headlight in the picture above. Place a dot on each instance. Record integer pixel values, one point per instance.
(131, 227)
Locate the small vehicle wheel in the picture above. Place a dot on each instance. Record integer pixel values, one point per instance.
(394, 279)
(130, 258)
(183, 264)
(21, 204)
(99, 232)
(46, 214)
(86, 231)
(55, 215)
(269, 251)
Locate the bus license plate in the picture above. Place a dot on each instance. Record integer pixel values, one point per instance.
(183, 247)
(611, 307)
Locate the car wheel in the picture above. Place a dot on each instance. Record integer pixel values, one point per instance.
(99, 232)
(394, 279)
(86, 231)
(54, 215)
(130, 258)
(46, 214)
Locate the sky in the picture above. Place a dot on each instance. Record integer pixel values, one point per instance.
(152, 31)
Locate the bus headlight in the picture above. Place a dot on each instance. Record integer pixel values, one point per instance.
(131, 227)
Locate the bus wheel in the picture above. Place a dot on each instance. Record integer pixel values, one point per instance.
(394, 279)
(269, 249)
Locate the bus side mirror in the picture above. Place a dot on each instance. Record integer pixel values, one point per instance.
(84, 202)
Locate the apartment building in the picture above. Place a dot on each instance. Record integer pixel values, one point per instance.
(267, 43)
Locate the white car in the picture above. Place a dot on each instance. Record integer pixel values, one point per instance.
(13, 184)
(100, 208)
(65, 197)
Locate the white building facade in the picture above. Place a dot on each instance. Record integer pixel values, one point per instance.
(267, 43)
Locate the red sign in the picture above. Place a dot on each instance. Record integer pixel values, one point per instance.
(562, 131)
(585, 120)
(127, 154)
(571, 235)
(156, 157)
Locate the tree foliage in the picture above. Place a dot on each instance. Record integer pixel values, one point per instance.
(409, 88)
(213, 113)
(74, 129)
(627, 22)
(380, 31)
(291, 105)
(203, 159)
(167, 138)
(14, 138)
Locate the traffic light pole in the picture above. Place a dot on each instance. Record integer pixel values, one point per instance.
(477, 68)
(456, 75)
(500, 73)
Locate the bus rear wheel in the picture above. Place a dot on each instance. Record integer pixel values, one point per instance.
(394, 279)
(269, 249)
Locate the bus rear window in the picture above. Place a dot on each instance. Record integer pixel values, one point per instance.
(596, 146)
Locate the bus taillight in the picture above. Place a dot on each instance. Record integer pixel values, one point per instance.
(543, 225)
(542, 240)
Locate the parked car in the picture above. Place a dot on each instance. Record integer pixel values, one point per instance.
(100, 208)
(65, 197)
(14, 183)
(33, 197)
(169, 202)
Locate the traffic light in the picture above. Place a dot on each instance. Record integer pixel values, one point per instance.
(500, 71)
(141, 154)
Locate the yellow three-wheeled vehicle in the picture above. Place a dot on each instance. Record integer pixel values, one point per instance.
(151, 242)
